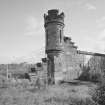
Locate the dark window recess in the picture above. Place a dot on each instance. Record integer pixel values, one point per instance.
(47, 37)
(33, 69)
(60, 36)
(39, 65)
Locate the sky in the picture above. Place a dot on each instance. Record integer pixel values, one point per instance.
(22, 35)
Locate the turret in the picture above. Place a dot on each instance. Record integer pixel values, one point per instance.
(54, 24)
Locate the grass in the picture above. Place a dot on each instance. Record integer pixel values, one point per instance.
(64, 94)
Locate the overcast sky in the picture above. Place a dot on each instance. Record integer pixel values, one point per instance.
(22, 36)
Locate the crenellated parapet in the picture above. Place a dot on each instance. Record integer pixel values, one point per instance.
(67, 40)
(44, 60)
(53, 16)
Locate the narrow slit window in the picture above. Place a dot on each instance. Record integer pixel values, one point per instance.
(47, 37)
(60, 36)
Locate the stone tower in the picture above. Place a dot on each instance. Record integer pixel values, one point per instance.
(54, 24)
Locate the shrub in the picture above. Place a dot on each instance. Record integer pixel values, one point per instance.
(99, 95)
(90, 76)
(97, 77)
(84, 76)
(3, 82)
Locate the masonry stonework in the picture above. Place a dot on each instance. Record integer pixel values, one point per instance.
(54, 24)
(64, 60)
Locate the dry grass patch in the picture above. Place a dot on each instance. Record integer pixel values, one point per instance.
(52, 95)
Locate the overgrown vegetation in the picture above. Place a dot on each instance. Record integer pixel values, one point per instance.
(99, 94)
(98, 77)
(24, 92)
(91, 75)
(27, 93)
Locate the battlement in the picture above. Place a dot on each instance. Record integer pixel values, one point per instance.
(44, 60)
(53, 12)
(54, 16)
(68, 41)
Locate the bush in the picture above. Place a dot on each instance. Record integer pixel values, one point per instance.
(3, 82)
(84, 76)
(97, 77)
(89, 76)
(99, 94)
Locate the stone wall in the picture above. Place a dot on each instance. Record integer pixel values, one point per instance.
(72, 59)
(97, 64)
(76, 60)
(64, 60)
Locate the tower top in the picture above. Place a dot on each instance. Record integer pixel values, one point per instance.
(53, 16)
(53, 12)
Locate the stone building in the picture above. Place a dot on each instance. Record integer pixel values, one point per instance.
(64, 60)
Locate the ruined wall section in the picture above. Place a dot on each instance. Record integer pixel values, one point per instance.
(73, 59)
(95, 61)
(64, 60)
(97, 64)
(93, 65)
